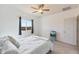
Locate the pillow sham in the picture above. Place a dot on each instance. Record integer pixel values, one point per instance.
(6, 45)
(1, 45)
(14, 41)
(2, 41)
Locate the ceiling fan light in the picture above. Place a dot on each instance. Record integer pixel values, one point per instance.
(40, 11)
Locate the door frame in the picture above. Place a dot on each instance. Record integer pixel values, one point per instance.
(77, 31)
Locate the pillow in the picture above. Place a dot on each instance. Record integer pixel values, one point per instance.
(2, 41)
(6, 45)
(14, 41)
(1, 45)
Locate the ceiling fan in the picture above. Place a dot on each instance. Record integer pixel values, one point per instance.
(40, 9)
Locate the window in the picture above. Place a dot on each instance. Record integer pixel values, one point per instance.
(26, 24)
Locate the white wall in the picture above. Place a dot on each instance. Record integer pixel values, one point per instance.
(36, 26)
(56, 22)
(9, 20)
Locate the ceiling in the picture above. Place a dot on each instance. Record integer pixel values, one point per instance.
(54, 8)
(25, 10)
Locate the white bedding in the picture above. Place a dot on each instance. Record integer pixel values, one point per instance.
(41, 48)
(35, 45)
(32, 45)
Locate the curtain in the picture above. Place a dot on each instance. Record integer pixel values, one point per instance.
(20, 25)
(32, 27)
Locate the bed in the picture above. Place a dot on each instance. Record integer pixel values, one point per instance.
(30, 45)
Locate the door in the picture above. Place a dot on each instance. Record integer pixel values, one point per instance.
(78, 31)
(69, 34)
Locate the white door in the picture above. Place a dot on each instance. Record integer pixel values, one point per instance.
(69, 34)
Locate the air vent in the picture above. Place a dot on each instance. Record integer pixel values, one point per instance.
(66, 8)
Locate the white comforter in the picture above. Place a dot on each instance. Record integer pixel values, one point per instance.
(33, 45)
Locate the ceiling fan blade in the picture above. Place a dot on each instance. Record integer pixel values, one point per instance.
(34, 11)
(34, 8)
(41, 6)
(46, 9)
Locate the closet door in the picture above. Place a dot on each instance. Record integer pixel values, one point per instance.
(78, 31)
(69, 31)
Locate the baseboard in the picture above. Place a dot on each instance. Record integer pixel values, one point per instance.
(66, 43)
